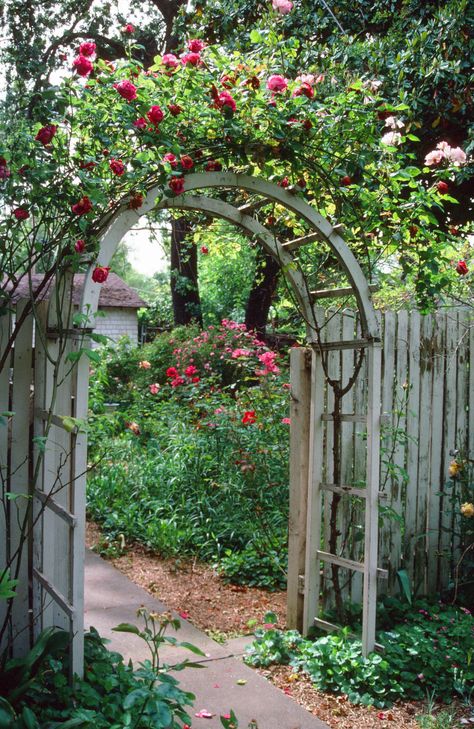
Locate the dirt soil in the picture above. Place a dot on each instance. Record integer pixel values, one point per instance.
(196, 591)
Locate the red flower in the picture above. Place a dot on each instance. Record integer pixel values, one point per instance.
(249, 417)
(82, 65)
(4, 171)
(304, 90)
(171, 372)
(177, 185)
(307, 124)
(346, 180)
(213, 166)
(82, 207)
(443, 187)
(100, 274)
(86, 165)
(190, 59)
(177, 381)
(186, 162)
(117, 167)
(87, 48)
(21, 214)
(284, 182)
(46, 134)
(128, 29)
(136, 201)
(226, 99)
(462, 268)
(140, 123)
(171, 159)
(174, 109)
(196, 45)
(170, 61)
(126, 89)
(155, 114)
(80, 246)
(190, 371)
(204, 250)
(277, 83)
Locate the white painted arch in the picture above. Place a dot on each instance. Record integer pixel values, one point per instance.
(124, 219)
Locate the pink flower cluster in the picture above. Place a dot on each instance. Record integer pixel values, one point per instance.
(268, 360)
(191, 373)
(283, 7)
(453, 155)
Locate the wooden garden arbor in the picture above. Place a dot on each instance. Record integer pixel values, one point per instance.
(54, 568)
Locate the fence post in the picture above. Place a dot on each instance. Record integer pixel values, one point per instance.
(300, 380)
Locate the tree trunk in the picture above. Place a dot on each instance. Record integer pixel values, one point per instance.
(184, 276)
(261, 293)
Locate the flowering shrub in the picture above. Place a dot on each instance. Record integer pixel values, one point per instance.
(195, 458)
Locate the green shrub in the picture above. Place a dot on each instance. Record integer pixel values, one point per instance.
(429, 653)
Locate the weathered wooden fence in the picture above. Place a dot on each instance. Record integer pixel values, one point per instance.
(428, 414)
(43, 457)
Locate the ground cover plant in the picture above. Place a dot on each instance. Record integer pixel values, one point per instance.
(427, 650)
(194, 459)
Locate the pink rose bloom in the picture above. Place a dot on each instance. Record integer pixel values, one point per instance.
(226, 99)
(126, 89)
(434, 157)
(171, 159)
(443, 146)
(277, 83)
(82, 66)
(306, 78)
(456, 156)
(190, 59)
(154, 388)
(282, 6)
(128, 29)
(286, 421)
(87, 48)
(155, 114)
(169, 60)
(196, 45)
(190, 371)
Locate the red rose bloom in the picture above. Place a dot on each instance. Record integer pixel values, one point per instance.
(226, 99)
(46, 134)
(82, 66)
(190, 371)
(155, 115)
(204, 250)
(284, 182)
(304, 90)
(174, 109)
(249, 417)
(186, 162)
(4, 172)
(170, 61)
(117, 167)
(21, 214)
(307, 124)
(346, 180)
(100, 274)
(171, 372)
(443, 187)
(196, 45)
(87, 49)
(171, 159)
(190, 59)
(126, 89)
(140, 123)
(177, 185)
(136, 201)
(128, 29)
(213, 166)
(80, 246)
(462, 268)
(82, 207)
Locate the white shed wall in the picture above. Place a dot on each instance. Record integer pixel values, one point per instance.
(118, 322)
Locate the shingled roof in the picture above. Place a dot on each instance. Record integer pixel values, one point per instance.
(113, 293)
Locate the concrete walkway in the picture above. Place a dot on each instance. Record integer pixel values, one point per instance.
(111, 598)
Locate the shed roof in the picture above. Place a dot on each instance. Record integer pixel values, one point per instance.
(113, 293)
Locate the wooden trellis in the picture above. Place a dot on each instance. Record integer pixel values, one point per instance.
(52, 573)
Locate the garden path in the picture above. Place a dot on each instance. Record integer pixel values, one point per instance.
(225, 683)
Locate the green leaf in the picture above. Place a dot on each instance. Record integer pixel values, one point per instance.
(405, 585)
(256, 36)
(127, 628)
(192, 648)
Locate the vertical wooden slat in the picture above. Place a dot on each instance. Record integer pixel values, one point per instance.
(316, 473)
(424, 456)
(369, 600)
(398, 486)
(412, 428)
(436, 447)
(19, 481)
(387, 325)
(360, 461)
(346, 527)
(462, 395)
(300, 409)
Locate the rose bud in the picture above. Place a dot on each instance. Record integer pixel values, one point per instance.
(80, 246)
(443, 187)
(462, 268)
